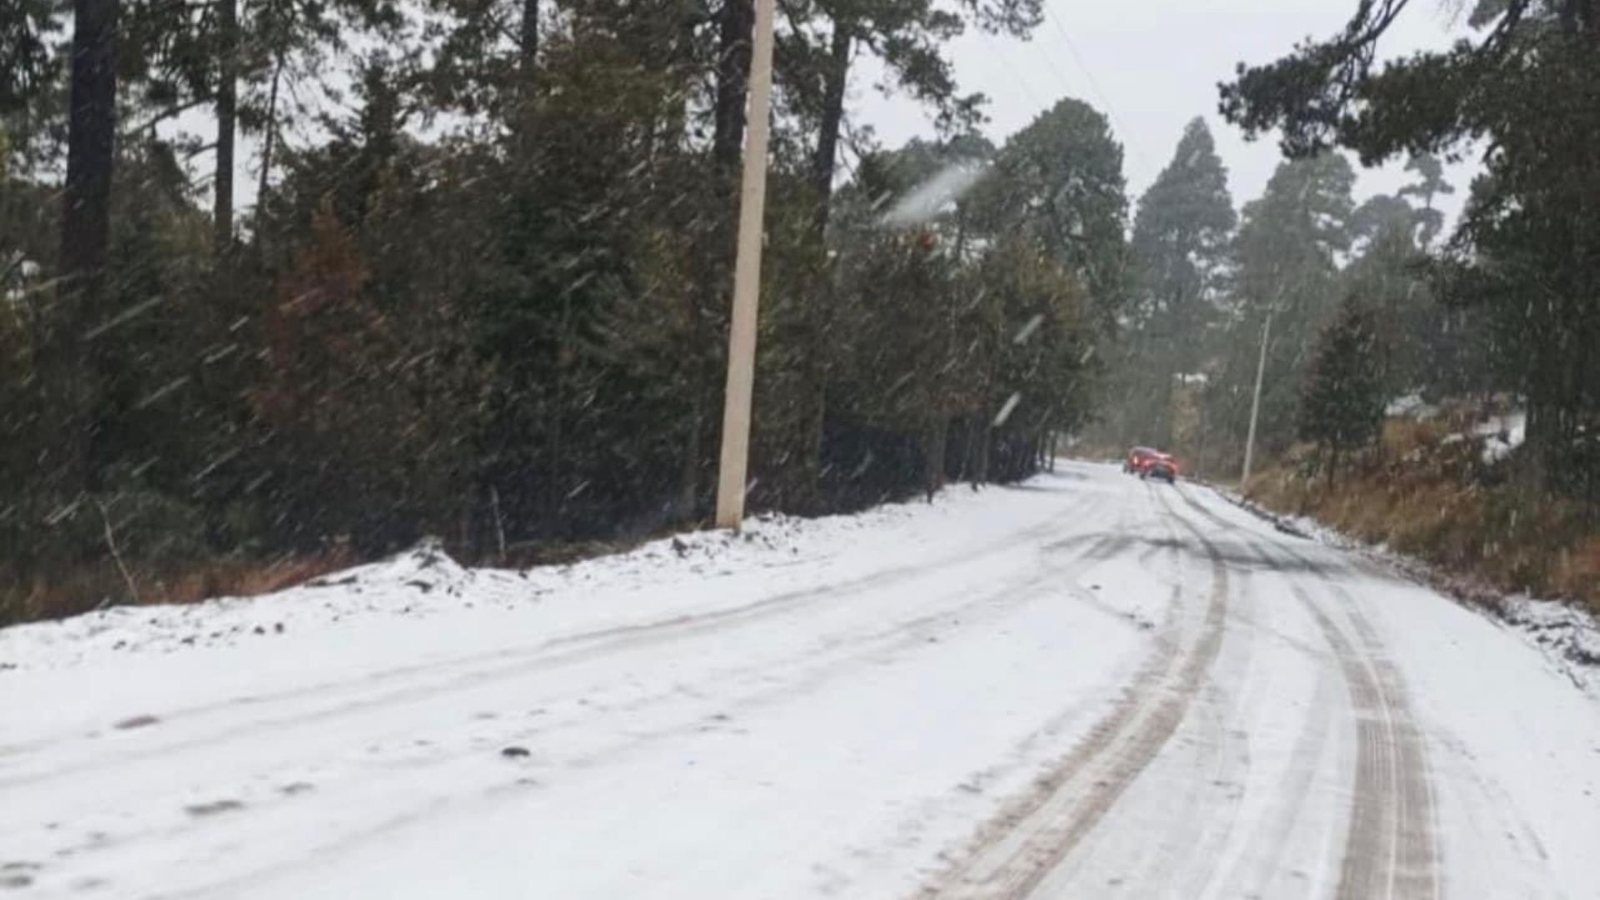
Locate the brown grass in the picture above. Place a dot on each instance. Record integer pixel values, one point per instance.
(1431, 499)
(1578, 571)
(87, 586)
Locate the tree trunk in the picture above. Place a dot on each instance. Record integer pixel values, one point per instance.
(527, 75)
(834, 80)
(555, 435)
(1169, 400)
(985, 438)
(269, 140)
(934, 438)
(816, 436)
(735, 25)
(963, 450)
(528, 46)
(817, 309)
(85, 233)
(227, 125)
(91, 146)
(689, 475)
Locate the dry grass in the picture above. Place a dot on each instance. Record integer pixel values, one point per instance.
(243, 578)
(89, 586)
(1578, 571)
(528, 555)
(1404, 436)
(1430, 498)
(92, 585)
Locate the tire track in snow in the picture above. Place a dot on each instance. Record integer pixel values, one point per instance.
(560, 653)
(1177, 820)
(332, 701)
(1389, 849)
(1390, 846)
(810, 672)
(808, 669)
(1016, 850)
(1260, 864)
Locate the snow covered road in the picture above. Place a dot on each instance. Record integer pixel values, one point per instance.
(1085, 686)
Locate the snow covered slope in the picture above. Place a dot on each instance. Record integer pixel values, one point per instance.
(1080, 686)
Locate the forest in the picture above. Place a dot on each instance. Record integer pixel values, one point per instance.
(1348, 318)
(479, 291)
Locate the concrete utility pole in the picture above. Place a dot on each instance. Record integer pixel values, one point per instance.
(1255, 401)
(746, 282)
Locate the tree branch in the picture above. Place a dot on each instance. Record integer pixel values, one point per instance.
(111, 544)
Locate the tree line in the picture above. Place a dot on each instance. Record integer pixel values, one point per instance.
(1331, 303)
(480, 287)
(1523, 263)
(1344, 307)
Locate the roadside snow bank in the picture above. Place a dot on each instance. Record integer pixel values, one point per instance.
(424, 583)
(419, 582)
(1567, 635)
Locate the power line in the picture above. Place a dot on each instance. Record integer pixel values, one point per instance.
(1099, 95)
(1005, 63)
(1061, 76)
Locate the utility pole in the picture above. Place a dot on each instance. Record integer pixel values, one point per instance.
(1255, 400)
(746, 282)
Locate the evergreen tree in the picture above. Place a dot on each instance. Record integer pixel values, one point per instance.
(485, 299)
(26, 29)
(1527, 85)
(1179, 250)
(1285, 267)
(1342, 399)
(1059, 181)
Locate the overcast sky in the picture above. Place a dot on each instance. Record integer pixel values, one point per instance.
(1152, 65)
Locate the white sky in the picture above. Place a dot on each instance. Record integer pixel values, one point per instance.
(1152, 65)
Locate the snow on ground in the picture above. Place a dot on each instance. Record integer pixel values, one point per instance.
(1501, 435)
(393, 689)
(1569, 636)
(1085, 685)
(425, 583)
(1411, 406)
(1515, 760)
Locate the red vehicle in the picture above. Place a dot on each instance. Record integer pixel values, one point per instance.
(1149, 463)
(1136, 459)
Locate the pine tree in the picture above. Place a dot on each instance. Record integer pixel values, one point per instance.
(1284, 265)
(489, 303)
(1526, 85)
(1179, 251)
(1059, 181)
(1342, 398)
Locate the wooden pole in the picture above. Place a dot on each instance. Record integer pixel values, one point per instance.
(1255, 402)
(735, 460)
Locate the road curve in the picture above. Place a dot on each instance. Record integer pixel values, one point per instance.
(1274, 751)
(1086, 686)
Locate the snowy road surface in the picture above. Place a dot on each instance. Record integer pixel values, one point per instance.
(1085, 686)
